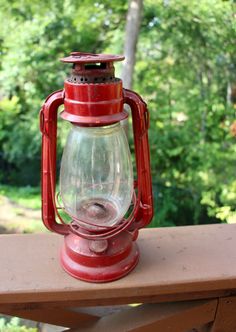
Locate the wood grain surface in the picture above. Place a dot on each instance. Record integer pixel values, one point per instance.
(176, 264)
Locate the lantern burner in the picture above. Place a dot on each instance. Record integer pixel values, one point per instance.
(97, 211)
(92, 68)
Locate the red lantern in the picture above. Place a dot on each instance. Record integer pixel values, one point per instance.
(96, 180)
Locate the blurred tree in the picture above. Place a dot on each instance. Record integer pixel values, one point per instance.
(34, 36)
(185, 69)
(185, 61)
(131, 38)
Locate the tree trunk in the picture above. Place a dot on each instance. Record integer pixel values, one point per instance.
(131, 38)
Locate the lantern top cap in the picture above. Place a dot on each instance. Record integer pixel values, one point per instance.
(81, 57)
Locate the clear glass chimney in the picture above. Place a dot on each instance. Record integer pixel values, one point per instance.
(96, 176)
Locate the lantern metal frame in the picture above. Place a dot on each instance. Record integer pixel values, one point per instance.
(94, 97)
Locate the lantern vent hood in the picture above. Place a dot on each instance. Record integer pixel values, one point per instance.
(92, 68)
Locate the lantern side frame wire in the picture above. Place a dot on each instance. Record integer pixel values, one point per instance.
(103, 227)
(76, 221)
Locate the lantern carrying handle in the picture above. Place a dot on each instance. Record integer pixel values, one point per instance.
(48, 128)
(140, 120)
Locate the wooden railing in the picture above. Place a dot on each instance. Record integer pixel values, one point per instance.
(185, 281)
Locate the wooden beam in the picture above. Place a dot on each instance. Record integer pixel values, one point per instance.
(172, 317)
(203, 328)
(57, 316)
(225, 320)
(155, 298)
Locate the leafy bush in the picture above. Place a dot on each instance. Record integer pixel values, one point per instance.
(14, 326)
(185, 70)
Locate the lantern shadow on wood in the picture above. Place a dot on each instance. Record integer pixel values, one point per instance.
(96, 178)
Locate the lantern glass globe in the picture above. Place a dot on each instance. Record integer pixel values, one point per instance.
(96, 175)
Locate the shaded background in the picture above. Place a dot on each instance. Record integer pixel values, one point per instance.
(185, 69)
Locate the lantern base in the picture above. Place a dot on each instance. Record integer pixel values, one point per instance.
(95, 261)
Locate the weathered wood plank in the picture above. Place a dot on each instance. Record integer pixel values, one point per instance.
(57, 316)
(176, 264)
(203, 328)
(172, 317)
(225, 320)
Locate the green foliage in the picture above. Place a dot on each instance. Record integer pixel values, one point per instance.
(24, 196)
(33, 37)
(185, 65)
(186, 62)
(14, 326)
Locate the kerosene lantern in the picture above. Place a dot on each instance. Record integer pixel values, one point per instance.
(105, 205)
